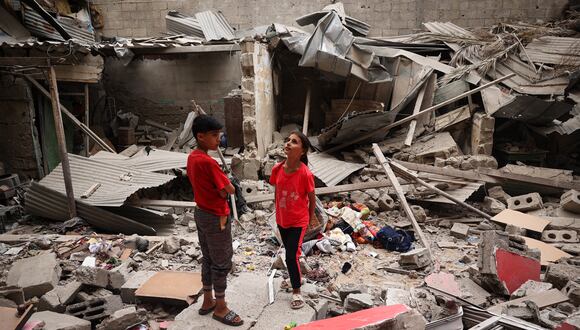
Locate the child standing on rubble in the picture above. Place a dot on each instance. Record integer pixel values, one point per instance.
(210, 189)
(295, 203)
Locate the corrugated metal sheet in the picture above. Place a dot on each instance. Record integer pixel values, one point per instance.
(353, 125)
(532, 110)
(39, 26)
(526, 80)
(330, 170)
(117, 182)
(553, 50)
(215, 26)
(51, 204)
(54, 46)
(182, 24)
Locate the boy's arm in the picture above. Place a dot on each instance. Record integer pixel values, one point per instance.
(228, 189)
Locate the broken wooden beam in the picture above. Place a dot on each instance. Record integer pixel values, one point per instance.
(165, 203)
(401, 195)
(404, 173)
(59, 128)
(414, 116)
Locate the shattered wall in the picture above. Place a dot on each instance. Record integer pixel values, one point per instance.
(385, 17)
(161, 88)
(19, 149)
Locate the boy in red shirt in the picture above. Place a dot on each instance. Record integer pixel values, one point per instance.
(295, 203)
(210, 190)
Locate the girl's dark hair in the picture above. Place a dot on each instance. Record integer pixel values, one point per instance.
(305, 145)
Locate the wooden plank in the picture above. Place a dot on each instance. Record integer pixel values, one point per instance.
(326, 190)
(549, 253)
(166, 203)
(543, 299)
(521, 220)
(464, 174)
(452, 117)
(402, 199)
(87, 117)
(416, 110)
(532, 180)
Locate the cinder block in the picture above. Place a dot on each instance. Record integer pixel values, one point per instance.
(525, 203)
(460, 230)
(560, 236)
(95, 309)
(570, 201)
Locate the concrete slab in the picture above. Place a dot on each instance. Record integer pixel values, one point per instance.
(57, 321)
(133, 283)
(35, 275)
(247, 294)
(279, 314)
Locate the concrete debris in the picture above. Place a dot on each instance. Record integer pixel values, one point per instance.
(525, 203)
(529, 288)
(123, 319)
(492, 205)
(35, 275)
(497, 192)
(560, 274)
(460, 230)
(358, 301)
(570, 201)
(57, 299)
(57, 321)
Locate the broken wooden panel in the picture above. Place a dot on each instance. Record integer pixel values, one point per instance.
(548, 254)
(171, 286)
(452, 117)
(521, 220)
(482, 129)
(234, 118)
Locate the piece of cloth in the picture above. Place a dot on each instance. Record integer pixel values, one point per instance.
(207, 180)
(292, 239)
(216, 250)
(292, 195)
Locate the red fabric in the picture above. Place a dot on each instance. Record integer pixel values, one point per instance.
(207, 179)
(292, 195)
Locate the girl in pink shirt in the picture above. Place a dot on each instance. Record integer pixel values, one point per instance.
(295, 203)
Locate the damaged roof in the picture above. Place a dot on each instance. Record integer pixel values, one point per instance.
(117, 182)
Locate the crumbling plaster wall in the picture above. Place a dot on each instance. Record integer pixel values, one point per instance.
(264, 97)
(387, 18)
(162, 88)
(19, 148)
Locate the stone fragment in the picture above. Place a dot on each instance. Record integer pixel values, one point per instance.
(523, 203)
(560, 274)
(497, 192)
(572, 290)
(492, 205)
(460, 230)
(386, 203)
(171, 245)
(346, 289)
(482, 129)
(133, 283)
(56, 299)
(35, 275)
(93, 276)
(123, 319)
(57, 321)
(414, 259)
(419, 213)
(358, 301)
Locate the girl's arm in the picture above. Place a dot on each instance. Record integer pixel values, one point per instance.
(311, 204)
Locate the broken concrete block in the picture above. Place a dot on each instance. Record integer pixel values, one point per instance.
(346, 289)
(419, 213)
(560, 274)
(245, 168)
(321, 309)
(394, 296)
(133, 283)
(460, 230)
(35, 275)
(56, 299)
(523, 203)
(360, 197)
(529, 288)
(482, 129)
(560, 236)
(492, 205)
(57, 321)
(124, 318)
(95, 309)
(386, 203)
(414, 259)
(570, 201)
(355, 302)
(93, 276)
(497, 192)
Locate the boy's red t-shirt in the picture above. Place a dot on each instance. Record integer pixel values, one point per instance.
(292, 195)
(207, 179)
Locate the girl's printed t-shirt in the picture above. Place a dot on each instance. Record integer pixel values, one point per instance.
(292, 195)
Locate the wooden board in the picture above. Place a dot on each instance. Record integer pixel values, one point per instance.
(9, 319)
(521, 220)
(172, 286)
(549, 252)
(544, 299)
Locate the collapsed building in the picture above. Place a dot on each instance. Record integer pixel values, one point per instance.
(446, 162)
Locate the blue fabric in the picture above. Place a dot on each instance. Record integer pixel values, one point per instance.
(395, 240)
